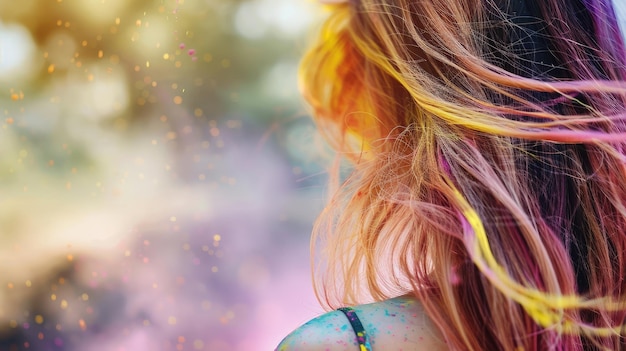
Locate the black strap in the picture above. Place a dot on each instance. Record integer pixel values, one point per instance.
(361, 336)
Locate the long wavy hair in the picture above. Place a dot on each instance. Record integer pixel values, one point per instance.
(488, 139)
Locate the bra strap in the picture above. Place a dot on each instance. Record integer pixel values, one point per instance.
(361, 336)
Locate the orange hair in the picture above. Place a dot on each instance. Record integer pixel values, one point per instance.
(489, 173)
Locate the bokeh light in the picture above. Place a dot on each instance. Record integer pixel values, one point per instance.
(17, 53)
(159, 174)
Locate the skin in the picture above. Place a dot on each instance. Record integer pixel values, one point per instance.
(398, 324)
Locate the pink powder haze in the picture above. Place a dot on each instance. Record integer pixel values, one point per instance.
(158, 177)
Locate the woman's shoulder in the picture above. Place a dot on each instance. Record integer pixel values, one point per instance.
(395, 324)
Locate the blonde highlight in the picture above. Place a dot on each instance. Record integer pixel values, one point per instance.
(452, 135)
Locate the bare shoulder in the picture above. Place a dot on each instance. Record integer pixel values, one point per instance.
(328, 332)
(392, 325)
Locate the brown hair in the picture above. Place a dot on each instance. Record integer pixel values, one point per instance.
(488, 142)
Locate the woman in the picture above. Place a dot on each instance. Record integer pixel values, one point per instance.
(488, 139)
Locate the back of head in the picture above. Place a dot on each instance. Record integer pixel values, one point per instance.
(489, 143)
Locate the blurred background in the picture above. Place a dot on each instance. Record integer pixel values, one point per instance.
(159, 174)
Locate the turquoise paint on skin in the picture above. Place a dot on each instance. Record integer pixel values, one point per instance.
(400, 322)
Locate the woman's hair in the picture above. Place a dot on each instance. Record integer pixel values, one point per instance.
(489, 146)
